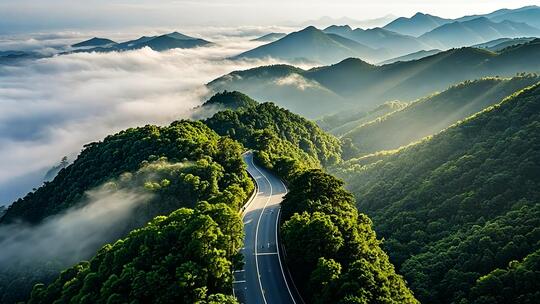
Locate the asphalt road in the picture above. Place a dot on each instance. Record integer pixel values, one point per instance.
(262, 281)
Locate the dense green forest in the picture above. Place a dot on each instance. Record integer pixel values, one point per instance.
(185, 257)
(457, 206)
(280, 138)
(331, 249)
(432, 114)
(180, 164)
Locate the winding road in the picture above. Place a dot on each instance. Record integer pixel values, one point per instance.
(263, 280)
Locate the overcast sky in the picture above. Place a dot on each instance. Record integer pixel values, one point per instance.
(42, 15)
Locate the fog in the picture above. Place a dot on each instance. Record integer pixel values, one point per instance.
(73, 235)
(53, 106)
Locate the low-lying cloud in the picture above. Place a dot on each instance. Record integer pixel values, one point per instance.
(53, 106)
(73, 235)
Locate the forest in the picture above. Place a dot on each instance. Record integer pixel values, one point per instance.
(461, 204)
(474, 184)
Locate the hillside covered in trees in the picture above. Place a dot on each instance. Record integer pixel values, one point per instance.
(176, 166)
(434, 113)
(187, 256)
(456, 207)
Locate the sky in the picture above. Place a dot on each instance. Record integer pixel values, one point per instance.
(43, 15)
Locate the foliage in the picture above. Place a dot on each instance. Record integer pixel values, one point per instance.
(460, 204)
(331, 249)
(432, 114)
(181, 164)
(231, 100)
(519, 283)
(186, 257)
(278, 136)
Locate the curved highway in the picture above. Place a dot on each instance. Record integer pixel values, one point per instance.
(262, 281)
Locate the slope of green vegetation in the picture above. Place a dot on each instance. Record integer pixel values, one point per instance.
(180, 165)
(279, 137)
(124, 152)
(331, 249)
(231, 100)
(461, 204)
(341, 123)
(185, 257)
(432, 114)
(519, 283)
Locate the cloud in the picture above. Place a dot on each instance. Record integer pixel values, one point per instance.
(68, 237)
(297, 81)
(53, 106)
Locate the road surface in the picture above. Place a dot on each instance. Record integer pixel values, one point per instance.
(262, 281)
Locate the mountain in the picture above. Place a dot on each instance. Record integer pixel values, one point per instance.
(14, 57)
(230, 100)
(527, 14)
(103, 42)
(475, 31)
(313, 45)
(412, 56)
(502, 43)
(160, 43)
(285, 85)
(461, 204)
(416, 25)
(270, 37)
(342, 122)
(114, 186)
(368, 23)
(433, 114)
(355, 84)
(396, 44)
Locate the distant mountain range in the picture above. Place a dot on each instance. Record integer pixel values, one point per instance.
(527, 14)
(314, 45)
(416, 25)
(270, 37)
(411, 56)
(13, 57)
(353, 82)
(400, 40)
(502, 43)
(367, 23)
(164, 42)
(395, 44)
(476, 31)
(93, 42)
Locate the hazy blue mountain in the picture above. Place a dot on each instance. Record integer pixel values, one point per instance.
(411, 56)
(14, 57)
(313, 45)
(353, 83)
(528, 14)
(502, 43)
(164, 42)
(326, 21)
(396, 44)
(416, 25)
(270, 37)
(103, 42)
(475, 31)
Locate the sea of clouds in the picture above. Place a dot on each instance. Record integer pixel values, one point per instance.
(51, 107)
